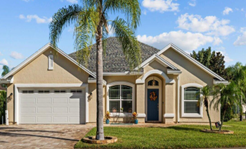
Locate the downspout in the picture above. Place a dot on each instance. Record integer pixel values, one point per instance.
(178, 112)
(6, 110)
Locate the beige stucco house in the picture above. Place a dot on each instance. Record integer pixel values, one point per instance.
(52, 88)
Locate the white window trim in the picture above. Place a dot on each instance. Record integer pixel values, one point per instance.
(133, 97)
(182, 97)
(51, 62)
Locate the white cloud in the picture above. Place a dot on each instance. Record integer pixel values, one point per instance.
(111, 30)
(192, 3)
(144, 12)
(16, 55)
(4, 62)
(160, 5)
(187, 41)
(210, 24)
(241, 39)
(227, 10)
(38, 19)
(73, 1)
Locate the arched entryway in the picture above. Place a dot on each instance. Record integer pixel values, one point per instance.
(153, 100)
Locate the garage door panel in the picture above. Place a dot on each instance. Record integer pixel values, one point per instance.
(74, 100)
(51, 108)
(60, 100)
(29, 119)
(44, 119)
(60, 119)
(60, 110)
(73, 119)
(44, 100)
(28, 110)
(44, 110)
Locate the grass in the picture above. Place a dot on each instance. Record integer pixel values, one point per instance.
(183, 136)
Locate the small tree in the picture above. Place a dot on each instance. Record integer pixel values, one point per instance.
(226, 96)
(206, 92)
(2, 103)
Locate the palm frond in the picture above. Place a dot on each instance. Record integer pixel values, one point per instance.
(130, 45)
(130, 8)
(85, 32)
(64, 17)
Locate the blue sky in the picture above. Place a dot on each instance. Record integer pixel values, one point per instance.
(190, 24)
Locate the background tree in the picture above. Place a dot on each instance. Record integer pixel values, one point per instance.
(206, 91)
(92, 25)
(211, 59)
(237, 73)
(226, 96)
(5, 71)
(3, 97)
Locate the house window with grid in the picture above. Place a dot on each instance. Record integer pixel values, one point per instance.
(120, 97)
(191, 100)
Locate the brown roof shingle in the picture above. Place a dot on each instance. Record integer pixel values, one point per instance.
(114, 59)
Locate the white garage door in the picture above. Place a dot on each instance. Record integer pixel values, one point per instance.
(51, 106)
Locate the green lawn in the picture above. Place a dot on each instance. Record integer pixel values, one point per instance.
(185, 136)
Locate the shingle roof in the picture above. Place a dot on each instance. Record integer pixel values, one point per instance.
(114, 59)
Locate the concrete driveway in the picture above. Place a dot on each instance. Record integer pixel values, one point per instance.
(41, 136)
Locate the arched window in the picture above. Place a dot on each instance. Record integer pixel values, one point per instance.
(120, 98)
(191, 103)
(153, 83)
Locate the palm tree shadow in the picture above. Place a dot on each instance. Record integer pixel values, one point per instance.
(32, 135)
(33, 131)
(184, 128)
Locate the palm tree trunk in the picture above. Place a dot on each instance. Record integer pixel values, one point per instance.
(99, 77)
(209, 119)
(222, 119)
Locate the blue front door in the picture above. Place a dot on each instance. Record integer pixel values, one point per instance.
(152, 105)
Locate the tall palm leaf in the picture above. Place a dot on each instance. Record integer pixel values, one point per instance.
(226, 96)
(92, 25)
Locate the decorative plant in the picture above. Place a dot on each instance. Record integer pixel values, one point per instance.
(134, 115)
(225, 97)
(107, 115)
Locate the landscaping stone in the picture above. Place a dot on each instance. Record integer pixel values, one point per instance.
(107, 140)
(217, 131)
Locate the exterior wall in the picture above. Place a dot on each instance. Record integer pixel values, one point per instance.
(191, 74)
(36, 72)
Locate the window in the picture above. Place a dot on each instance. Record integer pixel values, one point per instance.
(60, 91)
(27, 91)
(76, 91)
(153, 83)
(121, 96)
(43, 91)
(191, 98)
(191, 101)
(51, 62)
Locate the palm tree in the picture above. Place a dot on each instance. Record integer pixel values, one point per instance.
(226, 96)
(206, 92)
(92, 25)
(237, 73)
